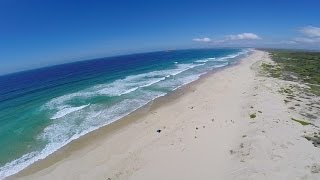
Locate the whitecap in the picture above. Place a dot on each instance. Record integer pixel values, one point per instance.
(220, 65)
(80, 121)
(67, 110)
(202, 60)
(155, 81)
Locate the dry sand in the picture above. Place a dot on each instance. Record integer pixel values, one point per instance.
(206, 133)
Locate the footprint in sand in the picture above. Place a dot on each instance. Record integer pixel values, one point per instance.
(276, 157)
(284, 146)
(315, 168)
(290, 143)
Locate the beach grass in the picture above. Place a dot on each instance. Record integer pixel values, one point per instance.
(252, 116)
(273, 70)
(305, 65)
(295, 66)
(302, 122)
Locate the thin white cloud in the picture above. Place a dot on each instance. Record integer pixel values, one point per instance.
(311, 31)
(229, 38)
(287, 42)
(243, 36)
(311, 35)
(205, 39)
(307, 40)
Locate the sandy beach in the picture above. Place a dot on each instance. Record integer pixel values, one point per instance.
(201, 131)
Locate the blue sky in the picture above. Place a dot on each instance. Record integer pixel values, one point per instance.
(46, 32)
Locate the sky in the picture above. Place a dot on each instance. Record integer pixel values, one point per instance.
(37, 33)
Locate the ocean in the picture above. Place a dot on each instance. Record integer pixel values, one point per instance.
(42, 110)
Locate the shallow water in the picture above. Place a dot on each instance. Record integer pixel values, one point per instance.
(44, 109)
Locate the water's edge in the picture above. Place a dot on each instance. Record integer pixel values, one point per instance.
(107, 129)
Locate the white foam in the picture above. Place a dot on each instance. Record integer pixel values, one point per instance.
(127, 85)
(60, 101)
(128, 91)
(220, 65)
(61, 132)
(185, 67)
(173, 84)
(67, 110)
(121, 86)
(133, 82)
(202, 60)
(155, 81)
(231, 56)
(130, 83)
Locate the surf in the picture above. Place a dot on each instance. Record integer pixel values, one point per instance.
(75, 107)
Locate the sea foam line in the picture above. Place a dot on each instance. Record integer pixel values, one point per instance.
(28, 159)
(67, 110)
(120, 87)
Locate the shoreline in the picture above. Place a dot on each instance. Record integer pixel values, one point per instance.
(229, 124)
(117, 125)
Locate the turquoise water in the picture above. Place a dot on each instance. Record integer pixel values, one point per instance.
(42, 110)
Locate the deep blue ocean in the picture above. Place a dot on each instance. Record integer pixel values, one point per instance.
(44, 109)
